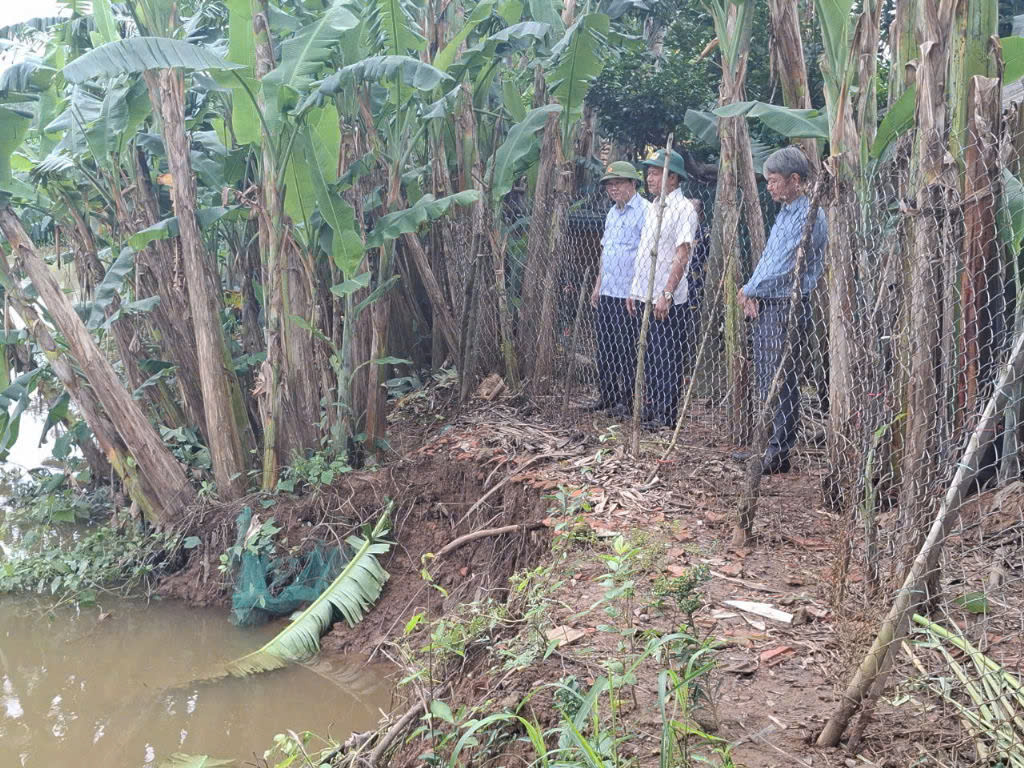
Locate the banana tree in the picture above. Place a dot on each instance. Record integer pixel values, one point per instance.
(733, 25)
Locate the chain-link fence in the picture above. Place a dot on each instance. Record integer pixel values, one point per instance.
(903, 327)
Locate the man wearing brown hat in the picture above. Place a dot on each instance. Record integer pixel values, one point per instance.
(615, 330)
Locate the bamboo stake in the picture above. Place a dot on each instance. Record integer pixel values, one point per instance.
(894, 626)
(641, 349)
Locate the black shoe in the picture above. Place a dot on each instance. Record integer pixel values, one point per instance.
(775, 466)
(770, 465)
(600, 405)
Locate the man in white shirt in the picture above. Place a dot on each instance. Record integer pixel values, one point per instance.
(615, 331)
(667, 336)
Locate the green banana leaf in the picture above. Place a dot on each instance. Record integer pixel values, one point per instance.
(447, 55)
(413, 72)
(544, 11)
(394, 25)
(353, 593)
(138, 54)
(346, 244)
(896, 122)
(578, 59)
(791, 123)
(517, 147)
(427, 208)
(14, 124)
(305, 52)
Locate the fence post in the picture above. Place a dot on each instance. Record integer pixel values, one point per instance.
(873, 669)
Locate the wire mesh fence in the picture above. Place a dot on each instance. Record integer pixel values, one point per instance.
(905, 325)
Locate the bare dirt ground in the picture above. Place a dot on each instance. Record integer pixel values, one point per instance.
(567, 493)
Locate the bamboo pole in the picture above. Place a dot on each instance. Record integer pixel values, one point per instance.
(645, 324)
(911, 594)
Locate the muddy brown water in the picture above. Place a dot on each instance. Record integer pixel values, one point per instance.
(127, 683)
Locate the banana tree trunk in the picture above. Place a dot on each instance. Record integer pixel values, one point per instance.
(979, 290)
(164, 490)
(903, 44)
(736, 172)
(158, 270)
(788, 55)
(228, 435)
(931, 181)
(536, 318)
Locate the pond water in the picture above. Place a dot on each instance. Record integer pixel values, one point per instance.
(127, 684)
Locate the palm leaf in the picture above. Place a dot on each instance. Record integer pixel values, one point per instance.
(138, 54)
(353, 593)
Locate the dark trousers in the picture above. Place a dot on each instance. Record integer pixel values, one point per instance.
(769, 340)
(615, 333)
(670, 349)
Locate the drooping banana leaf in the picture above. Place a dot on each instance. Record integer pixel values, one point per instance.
(353, 593)
(180, 760)
(138, 54)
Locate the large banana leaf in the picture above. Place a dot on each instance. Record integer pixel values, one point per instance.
(1013, 59)
(520, 143)
(138, 54)
(1010, 216)
(896, 122)
(14, 124)
(242, 50)
(305, 52)
(578, 59)
(180, 760)
(346, 244)
(427, 208)
(167, 228)
(352, 594)
(413, 72)
(446, 56)
(394, 24)
(25, 79)
(544, 11)
(791, 123)
(106, 27)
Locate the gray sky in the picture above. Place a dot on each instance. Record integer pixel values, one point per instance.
(13, 11)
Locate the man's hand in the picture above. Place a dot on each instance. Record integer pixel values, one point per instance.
(661, 308)
(747, 304)
(594, 296)
(631, 306)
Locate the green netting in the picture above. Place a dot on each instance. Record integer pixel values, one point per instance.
(268, 587)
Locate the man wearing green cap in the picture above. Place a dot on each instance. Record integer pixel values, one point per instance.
(615, 330)
(671, 251)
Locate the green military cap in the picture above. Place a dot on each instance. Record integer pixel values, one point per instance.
(675, 161)
(621, 169)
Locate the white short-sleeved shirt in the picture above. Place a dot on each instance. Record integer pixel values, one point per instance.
(678, 226)
(622, 228)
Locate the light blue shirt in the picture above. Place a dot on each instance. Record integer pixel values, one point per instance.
(773, 277)
(618, 246)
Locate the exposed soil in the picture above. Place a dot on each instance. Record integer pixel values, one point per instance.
(774, 683)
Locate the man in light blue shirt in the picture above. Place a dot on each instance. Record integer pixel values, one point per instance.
(615, 330)
(765, 298)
